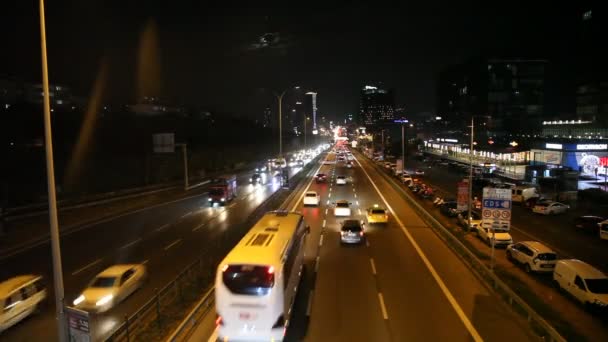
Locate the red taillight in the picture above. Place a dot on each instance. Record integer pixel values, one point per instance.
(219, 320)
(361, 233)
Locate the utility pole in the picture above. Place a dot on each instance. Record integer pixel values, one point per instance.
(50, 178)
(471, 172)
(185, 157)
(280, 99)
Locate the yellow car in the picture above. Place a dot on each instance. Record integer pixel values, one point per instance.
(377, 214)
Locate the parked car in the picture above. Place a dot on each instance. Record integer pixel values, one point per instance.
(464, 221)
(419, 172)
(406, 178)
(448, 208)
(20, 296)
(588, 223)
(550, 208)
(603, 230)
(533, 255)
(501, 237)
(583, 281)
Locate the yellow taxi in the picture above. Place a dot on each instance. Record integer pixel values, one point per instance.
(376, 214)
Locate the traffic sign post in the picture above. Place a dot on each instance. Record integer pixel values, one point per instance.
(496, 213)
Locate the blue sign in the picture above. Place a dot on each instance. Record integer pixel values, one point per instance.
(496, 204)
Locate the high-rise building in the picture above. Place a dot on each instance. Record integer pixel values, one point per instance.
(376, 106)
(508, 91)
(590, 64)
(310, 109)
(266, 118)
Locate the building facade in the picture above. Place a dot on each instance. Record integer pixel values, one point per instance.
(377, 106)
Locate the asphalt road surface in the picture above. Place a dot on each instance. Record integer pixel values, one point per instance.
(403, 284)
(165, 237)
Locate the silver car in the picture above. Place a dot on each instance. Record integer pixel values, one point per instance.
(352, 232)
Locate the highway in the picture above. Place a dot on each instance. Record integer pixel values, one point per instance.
(403, 284)
(165, 237)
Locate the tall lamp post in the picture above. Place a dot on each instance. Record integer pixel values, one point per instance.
(50, 177)
(280, 100)
(402, 122)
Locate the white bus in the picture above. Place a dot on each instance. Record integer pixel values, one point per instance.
(256, 283)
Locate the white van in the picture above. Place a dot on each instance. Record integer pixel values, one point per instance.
(521, 194)
(19, 297)
(583, 281)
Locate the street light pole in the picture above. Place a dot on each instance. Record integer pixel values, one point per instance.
(280, 99)
(50, 177)
(305, 119)
(402, 147)
(471, 172)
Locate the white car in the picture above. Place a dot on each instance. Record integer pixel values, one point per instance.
(20, 297)
(340, 180)
(550, 208)
(533, 255)
(501, 236)
(312, 198)
(110, 287)
(342, 208)
(406, 178)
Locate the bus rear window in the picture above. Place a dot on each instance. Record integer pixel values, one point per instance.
(249, 279)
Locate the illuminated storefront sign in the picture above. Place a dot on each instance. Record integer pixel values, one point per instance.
(553, 146)
(586, 147)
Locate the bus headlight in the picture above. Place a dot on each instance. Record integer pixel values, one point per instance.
(78, 300)
(209, 199)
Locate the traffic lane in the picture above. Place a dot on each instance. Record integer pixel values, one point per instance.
(558, 231)
(346, 304)
(473, 298)
(143, 250)
(403, 278)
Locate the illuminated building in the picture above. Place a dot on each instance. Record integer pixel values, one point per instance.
(376, 106)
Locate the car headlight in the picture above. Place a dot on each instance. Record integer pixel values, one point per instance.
(209, 199)
(250, 179)
(79, 300)
(223, 199)
(105, 300)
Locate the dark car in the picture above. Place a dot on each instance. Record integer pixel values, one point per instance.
(448, 208)
(351, 232)
(321, 178)
(588, 223)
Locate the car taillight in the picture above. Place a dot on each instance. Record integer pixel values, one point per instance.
(361, 233)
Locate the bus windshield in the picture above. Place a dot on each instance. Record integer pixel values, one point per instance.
(249, 279)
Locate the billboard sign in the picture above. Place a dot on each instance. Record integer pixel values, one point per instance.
(163, 142)
(496, 212)
(78, 325)
(462, 201)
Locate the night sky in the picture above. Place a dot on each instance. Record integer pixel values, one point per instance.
(208, 56)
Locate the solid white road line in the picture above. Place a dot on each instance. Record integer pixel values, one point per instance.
(199, 227)
(172, 244)
(371, 261)
(309, 306)
(186, 214)
(463, 317)
(162, 227)
(382, 307)
(295, 205)
(86, 266)
(324, 222)
(130, 244)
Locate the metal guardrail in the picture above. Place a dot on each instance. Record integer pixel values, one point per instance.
(196, 278)
(537, 323)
